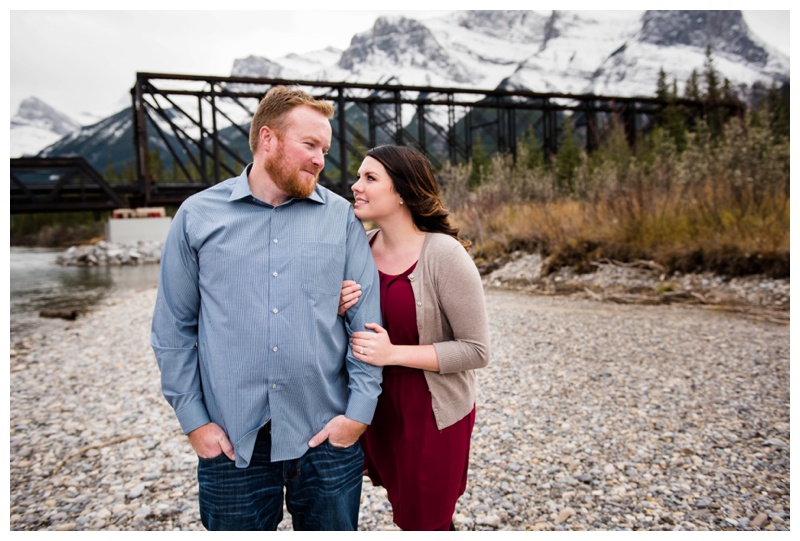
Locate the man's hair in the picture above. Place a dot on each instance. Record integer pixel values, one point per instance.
(276, 104)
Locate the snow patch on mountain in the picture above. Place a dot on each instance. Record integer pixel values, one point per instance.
(37, 125)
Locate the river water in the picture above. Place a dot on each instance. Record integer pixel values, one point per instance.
(37, 282)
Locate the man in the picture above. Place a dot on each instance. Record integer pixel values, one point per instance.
(254, 359)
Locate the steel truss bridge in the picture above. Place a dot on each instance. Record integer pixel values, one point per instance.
(200, 126)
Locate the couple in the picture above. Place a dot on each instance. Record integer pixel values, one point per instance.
(289, 340)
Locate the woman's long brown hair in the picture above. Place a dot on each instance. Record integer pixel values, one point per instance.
(412, 178)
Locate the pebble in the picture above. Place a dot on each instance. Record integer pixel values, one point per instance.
(591, 416)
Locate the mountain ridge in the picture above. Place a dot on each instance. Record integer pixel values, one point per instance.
(547, 51)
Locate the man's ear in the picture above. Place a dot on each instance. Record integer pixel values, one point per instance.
(266, 138)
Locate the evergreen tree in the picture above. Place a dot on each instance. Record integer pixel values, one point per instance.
(692, 90)
(111, 172)
(356, 156)
(671, 117)
(711, 77)
(128, 172)
(778, 110)
(715, 115)
(156, 164)
(729, 93)
(532, 148)
(568, 159)
(662, 87)
(177, 173)
(480, 162)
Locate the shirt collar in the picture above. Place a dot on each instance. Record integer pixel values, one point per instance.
(241, 189)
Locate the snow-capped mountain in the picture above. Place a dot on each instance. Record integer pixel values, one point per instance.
(37, 125)
(578, 52)
(604, 52)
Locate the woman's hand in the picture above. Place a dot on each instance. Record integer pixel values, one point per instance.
(373, 348)
(351, 291)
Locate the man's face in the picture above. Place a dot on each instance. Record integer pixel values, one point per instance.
(300, 151)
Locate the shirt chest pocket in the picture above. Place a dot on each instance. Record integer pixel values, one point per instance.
(322, 267)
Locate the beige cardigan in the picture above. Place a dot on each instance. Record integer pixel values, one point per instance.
(451, 315)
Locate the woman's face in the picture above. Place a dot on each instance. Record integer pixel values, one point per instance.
(374, 193)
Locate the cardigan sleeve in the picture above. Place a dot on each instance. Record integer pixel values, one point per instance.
(460, 294)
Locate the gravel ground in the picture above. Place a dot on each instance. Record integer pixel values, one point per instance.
(591, 416)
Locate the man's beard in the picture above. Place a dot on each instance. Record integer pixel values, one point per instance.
(288, 178)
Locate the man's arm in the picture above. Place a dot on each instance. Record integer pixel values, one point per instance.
(174, 341)
(365, 379)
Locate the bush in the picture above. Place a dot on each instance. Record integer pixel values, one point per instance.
(722, 204)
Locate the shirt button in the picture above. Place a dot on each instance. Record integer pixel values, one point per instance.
(275, 274)
(274, 310)
(274, 241)
(419, 303)
(410, 277)
(274, 386)
(275, 348)
(440, 423)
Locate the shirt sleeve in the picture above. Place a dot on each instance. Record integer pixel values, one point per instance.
(174, 329)
(460, 292)
(365, 379)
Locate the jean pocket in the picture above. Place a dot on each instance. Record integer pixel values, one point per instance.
(211, 459)
(335, 449)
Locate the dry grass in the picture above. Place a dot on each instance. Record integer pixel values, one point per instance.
(722, 205)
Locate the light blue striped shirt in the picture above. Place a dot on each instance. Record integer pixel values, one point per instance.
(245, 327)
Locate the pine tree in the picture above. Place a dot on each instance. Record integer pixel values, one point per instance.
(156, 164)
(671, 117)
(778, 110)
(356, 156)
(111, 172)
(480, 162)
(713, 97)
(662, 87)
(692, 90)
(568, 159)
(533, 149)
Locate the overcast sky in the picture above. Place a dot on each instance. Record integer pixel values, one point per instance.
(83, 60)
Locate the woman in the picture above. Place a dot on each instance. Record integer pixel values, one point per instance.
(434, 335)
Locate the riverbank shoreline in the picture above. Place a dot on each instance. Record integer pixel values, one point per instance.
(591, 416)
(647, 283)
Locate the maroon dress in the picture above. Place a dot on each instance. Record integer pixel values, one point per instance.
(423, 469)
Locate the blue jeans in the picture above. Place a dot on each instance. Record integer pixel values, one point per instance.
(323, 489)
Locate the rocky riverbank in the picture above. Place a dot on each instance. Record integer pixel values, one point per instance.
(110, 254)
(638, 282)
(591, 416)
(646, 282)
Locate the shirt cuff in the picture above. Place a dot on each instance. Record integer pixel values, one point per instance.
(361, 408)
(192, 416)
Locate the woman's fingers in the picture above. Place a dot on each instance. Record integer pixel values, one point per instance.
(351, 291)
